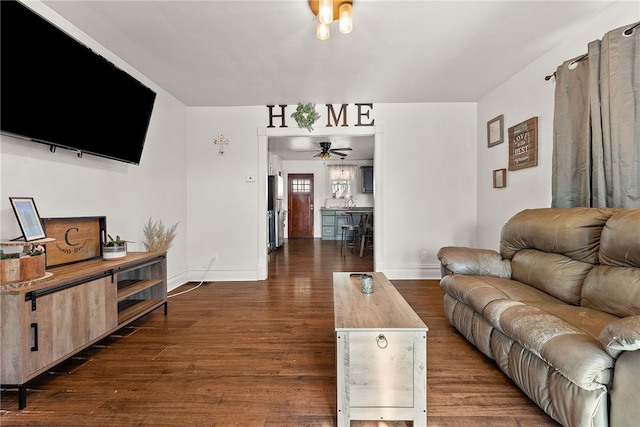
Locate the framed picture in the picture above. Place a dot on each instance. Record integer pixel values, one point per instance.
(523, 144)
(495, 131)
(499, 178)
(28, 218)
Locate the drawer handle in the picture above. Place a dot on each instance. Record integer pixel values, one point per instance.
(382, 342)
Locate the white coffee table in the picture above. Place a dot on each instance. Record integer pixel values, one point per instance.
(381, 353)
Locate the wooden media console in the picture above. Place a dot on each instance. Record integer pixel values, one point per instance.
(45, 323)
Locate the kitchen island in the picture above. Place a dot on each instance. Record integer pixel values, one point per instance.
(334, 218)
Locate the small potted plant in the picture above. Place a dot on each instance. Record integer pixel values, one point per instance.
(114, 248)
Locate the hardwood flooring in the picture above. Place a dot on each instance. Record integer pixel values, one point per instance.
(259, 354)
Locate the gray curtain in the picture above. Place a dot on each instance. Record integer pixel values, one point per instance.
(596, 126)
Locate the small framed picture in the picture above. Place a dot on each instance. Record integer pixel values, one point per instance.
(495, 131)
(28, 218)
(499, 178)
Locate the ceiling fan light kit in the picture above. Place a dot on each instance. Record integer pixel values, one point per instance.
(329, 10)
(326, 151)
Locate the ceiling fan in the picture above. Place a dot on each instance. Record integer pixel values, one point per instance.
(326, 151)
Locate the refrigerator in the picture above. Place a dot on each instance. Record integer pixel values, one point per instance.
(275, 213)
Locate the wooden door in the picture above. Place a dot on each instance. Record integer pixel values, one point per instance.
(301, 208)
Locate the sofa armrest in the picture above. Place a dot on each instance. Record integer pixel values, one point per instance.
(621, 335)
(472, 261)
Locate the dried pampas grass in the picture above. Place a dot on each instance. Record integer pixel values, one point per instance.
(157, 238)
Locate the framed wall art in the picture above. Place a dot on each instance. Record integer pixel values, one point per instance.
(28, 218)
(499, 178)
(523, 144)
(495, 131)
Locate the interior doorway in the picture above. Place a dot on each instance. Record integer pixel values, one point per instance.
(300, 205)
(263, 137)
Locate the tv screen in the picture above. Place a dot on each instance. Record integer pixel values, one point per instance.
(56, 91)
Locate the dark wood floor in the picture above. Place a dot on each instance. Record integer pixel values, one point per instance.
(259, 354)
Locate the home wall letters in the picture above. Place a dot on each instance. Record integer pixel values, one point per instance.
(363, 113)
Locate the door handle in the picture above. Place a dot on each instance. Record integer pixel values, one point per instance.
(35, 337)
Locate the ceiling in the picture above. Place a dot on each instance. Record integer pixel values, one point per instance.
(304, 148)
(247, 53)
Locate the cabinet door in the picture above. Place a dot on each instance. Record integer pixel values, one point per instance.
(367, 179)
(67, 320)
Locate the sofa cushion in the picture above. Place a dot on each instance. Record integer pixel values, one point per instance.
(575, 354)
(478, 291)
(615, 290)
(620, 241)
(614, 286)
(574, 232)
(555, 274)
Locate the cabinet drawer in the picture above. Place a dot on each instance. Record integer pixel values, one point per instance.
(328, 232)
(328, 220)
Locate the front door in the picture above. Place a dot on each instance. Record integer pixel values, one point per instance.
(300, 205)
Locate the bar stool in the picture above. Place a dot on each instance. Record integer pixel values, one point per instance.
(367, 234)
(355, 231)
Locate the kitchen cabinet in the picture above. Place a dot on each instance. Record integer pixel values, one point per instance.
(333, 220)
(367, 179)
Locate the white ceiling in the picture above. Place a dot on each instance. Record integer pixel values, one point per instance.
(243, 53)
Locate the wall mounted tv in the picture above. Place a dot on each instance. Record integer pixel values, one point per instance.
(56, 91)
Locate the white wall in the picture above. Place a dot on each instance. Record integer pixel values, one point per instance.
(428, 170)
(526, 95)
(64, 185)
(425, 177)
(223, 208)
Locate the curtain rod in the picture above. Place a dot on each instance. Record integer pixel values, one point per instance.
(629, 30)
(572, 65)
(626, 33)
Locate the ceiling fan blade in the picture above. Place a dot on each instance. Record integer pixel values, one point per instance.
(338, 154)
(343, 149)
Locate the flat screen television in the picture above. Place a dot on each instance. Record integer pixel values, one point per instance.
(56, 91)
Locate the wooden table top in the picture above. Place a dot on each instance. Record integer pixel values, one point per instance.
(383, 309)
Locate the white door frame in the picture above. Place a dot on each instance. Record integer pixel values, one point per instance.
(263, 165)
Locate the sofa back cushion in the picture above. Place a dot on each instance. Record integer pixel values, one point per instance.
(573, 232)
(614, 285)
(554, 274)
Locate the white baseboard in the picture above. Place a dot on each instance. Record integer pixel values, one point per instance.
(413, 272)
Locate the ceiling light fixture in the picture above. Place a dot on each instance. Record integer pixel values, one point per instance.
(329, 10)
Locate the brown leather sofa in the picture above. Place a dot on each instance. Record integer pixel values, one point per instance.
(558, 310)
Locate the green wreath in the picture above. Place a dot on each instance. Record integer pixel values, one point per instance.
(306, 115)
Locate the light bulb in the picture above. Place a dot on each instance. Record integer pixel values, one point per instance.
(325, 11)
(346, 18)
(322, 31)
